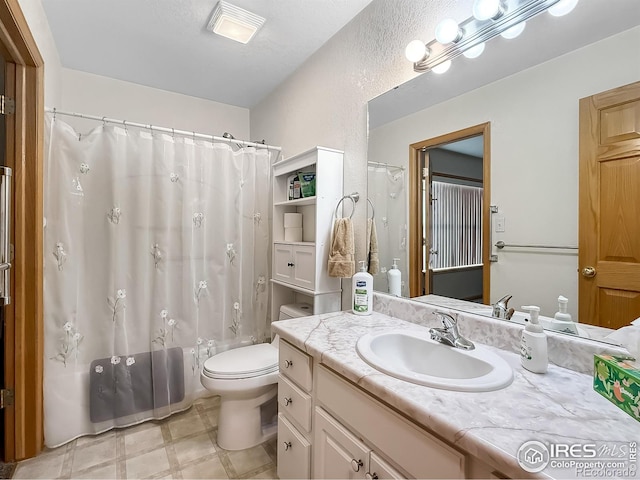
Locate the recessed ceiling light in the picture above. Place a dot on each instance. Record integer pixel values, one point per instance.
(234, 22)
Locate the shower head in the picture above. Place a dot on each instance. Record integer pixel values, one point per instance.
(228, 136)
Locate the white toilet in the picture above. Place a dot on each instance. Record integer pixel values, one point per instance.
(246, 379)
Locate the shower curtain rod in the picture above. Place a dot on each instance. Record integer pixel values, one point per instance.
(388, 165)
(171, 131)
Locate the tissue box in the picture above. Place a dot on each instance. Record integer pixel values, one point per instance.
(618, 381)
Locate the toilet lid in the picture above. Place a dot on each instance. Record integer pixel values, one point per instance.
(243, 362)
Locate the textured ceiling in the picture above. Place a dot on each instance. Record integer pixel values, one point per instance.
(165, 44)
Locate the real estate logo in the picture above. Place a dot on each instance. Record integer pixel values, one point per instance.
(533, 456)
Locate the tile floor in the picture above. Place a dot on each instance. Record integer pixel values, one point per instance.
(182, 446)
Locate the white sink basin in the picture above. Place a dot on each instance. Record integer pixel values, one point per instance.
(414, 357)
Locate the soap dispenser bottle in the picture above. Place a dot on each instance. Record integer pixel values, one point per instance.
(563, 321)
(533, 344)
(395, 279)
(362, 297)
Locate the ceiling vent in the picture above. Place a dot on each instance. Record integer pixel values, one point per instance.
(234, 22)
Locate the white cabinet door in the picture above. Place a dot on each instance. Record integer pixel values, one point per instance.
(304, 271)
(282, 262)
(379, 469)
(336, 452)
(294, 452)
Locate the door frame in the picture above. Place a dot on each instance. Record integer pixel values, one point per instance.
(416, 278)
(24, 155)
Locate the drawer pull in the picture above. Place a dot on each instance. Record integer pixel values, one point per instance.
(291, 264)
(287, 401)
(288, 363)
(287, 445)
(371, 476)
(356, 464)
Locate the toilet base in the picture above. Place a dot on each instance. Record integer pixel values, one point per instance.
(240, 424)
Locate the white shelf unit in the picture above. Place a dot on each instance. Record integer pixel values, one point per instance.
(299, 269)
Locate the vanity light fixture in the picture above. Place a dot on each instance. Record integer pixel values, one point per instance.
(488, 9)
(490, 18)
(234, 22)
(448, 31)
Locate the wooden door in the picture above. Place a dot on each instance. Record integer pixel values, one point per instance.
(609, 217)
(23, 334)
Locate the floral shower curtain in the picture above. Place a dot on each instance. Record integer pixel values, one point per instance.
(156, 252)
(386, 190)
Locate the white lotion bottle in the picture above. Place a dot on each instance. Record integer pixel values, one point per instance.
(395, 279)
(533, 344)
(362, 295)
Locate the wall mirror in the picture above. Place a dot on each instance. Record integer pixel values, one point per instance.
(528, 91)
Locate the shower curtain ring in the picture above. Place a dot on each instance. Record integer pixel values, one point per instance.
(104, 121)
(54, 113)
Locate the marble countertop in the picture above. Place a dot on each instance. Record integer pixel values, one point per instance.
(557, 407)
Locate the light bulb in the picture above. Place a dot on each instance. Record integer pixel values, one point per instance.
(415, 51)
(448, 31)
(486, 9)
(514, 31)
(442, 67)
(474, 52)
(562, 7)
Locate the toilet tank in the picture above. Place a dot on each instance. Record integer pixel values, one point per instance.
(295, 310)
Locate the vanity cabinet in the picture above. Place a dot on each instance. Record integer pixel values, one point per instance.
(351, 423)
(300, 267)
(295, 385)
(330, 428)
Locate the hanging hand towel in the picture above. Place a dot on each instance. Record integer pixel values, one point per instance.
(341, 255)
(372, 247)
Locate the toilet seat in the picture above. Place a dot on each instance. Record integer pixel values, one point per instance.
(243, 362)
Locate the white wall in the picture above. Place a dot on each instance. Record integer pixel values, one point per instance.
(39, 26)
(81, 92)
(325, 101)
(106, 97)
(534, 159)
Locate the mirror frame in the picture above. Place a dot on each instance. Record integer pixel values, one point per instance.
(416, 213)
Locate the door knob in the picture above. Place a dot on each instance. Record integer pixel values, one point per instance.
(589, 272)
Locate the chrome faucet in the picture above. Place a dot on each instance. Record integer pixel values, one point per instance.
(500, 309)
(449, 334)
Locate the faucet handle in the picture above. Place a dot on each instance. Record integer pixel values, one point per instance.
(447, 320)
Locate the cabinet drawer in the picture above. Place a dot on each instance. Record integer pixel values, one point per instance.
(294, 452)
(421, 455)
(295, 365)
(294, 403)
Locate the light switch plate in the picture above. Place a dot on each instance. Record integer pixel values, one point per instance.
(500, 221)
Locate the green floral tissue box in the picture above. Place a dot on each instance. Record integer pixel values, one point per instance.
(617, 380)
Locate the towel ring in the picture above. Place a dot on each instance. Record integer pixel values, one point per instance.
(354, 198)
(373, 210)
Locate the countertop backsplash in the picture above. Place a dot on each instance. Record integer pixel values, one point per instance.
(566, 351)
